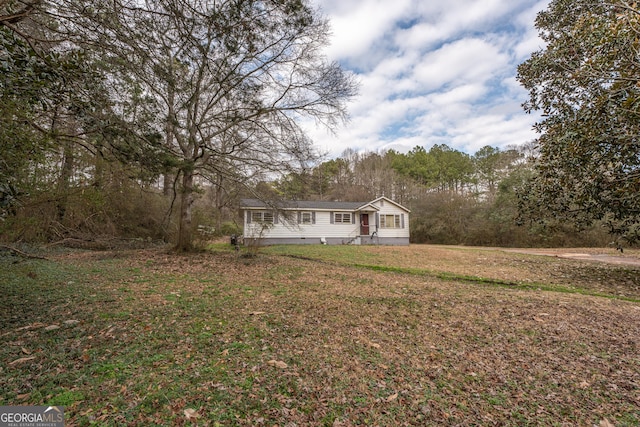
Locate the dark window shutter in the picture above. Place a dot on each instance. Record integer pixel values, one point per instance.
(313, 217)
(275, 217)
(299, 217)
(248, 217)
(353, 218)
(401, 220)
(377, 220)
(331, 218)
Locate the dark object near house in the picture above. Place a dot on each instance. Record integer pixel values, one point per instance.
(234, 240)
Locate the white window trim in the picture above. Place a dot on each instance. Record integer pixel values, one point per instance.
(306, 218)
(397, 223)
(262, 217)
(342, 216)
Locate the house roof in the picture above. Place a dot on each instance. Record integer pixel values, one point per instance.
(390, 201)
(314, 204)
(300, 204)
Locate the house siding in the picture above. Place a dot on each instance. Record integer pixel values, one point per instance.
(292, 230)
(389, 208)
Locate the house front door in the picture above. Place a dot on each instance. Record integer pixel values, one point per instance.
(364, 224)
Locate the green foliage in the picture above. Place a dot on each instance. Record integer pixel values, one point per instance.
(228, 228)
(444, 218)
(492, 165)
(417, 164)
(25, 89)
(57, 130)
(118, 208)
(28, 77)
(586, 83)
(441, 168)
(451, 218)
(295, 186)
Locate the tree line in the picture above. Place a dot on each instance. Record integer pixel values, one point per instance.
(454, 197)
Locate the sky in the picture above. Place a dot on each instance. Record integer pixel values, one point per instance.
(431, 72)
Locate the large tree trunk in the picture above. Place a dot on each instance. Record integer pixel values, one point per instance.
(64, 183)
(98, 176)
(167, 188)
(219, 201)
(167, 184)
(184, 243)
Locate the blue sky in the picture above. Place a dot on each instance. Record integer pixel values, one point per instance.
(431, 72)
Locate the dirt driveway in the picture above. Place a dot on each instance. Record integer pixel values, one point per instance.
(630, 257)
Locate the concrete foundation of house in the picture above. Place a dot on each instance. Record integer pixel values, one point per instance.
(359, 240)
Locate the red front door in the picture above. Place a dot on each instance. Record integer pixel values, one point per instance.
(364, 224)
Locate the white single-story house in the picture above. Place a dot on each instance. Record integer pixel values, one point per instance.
(378, 222)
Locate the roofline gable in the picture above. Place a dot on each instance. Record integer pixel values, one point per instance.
(368, 205)
(386, 199)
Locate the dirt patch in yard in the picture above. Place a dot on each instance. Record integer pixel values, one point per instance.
(632, 258)
(561, 268)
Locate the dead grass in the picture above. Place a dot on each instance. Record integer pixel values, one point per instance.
(285, 341)
(514, 267)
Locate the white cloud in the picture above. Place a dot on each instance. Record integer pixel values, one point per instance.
(357, 25)
(460, 62)
(432, 72)
(493, 130)
(464, 94)
(420, 36)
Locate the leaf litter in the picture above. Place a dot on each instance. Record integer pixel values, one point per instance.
(361, 347)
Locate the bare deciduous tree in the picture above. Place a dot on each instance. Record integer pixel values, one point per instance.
(227, 80)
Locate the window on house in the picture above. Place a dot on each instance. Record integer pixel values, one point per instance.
(262, 217)
(306, 217)
(390, 221)
(342, 218)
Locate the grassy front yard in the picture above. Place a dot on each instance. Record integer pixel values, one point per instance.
(322, 335)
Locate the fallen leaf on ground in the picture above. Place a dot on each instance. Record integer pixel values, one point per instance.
(31, 326)
(606, 423)
(391, 398)
(52, 328)
(21, 360)
(191, 414)
(278, 364)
